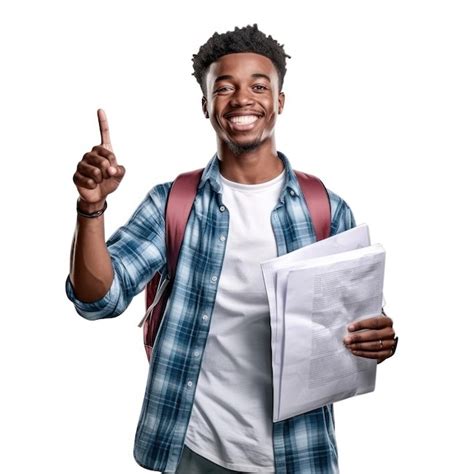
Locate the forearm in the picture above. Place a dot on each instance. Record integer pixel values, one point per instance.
(91, 270)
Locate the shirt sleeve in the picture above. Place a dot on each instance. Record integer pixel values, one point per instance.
(342, 218)
(137, 250)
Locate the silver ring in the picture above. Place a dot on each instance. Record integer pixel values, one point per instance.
(381, 343)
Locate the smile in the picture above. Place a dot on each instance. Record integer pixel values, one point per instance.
(243, 119)
(243, 123)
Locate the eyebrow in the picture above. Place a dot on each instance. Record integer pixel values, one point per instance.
(255, 75)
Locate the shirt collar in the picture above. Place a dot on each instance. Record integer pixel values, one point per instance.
(211, 174)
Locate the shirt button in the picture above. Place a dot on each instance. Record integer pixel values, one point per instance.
(214, 278)
(222, 238)
(205, 317)
(292, 192)
(196, 353)
(190, 384)
(222, 208)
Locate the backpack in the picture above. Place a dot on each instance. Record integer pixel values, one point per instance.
(178, 208)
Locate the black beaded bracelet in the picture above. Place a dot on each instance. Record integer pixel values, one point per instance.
(90, 214)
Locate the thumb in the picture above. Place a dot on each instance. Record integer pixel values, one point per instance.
(120, 171)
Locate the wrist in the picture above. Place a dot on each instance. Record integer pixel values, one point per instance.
(90, 210)
(89, 207)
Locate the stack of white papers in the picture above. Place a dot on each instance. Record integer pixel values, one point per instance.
(314, 293)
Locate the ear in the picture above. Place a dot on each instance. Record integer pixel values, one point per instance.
(281, 102)
(204, 107)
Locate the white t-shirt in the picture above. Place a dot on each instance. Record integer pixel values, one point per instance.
(231, 420)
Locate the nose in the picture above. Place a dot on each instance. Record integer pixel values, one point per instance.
(241, 97)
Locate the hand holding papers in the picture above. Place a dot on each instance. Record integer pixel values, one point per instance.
(314, 293)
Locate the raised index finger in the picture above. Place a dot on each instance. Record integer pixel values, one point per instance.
(104, 130)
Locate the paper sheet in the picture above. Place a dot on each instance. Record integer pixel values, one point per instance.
(321, 302)
(275, 274)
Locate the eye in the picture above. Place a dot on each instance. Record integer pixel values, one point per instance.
(260, 87)
(222, 90)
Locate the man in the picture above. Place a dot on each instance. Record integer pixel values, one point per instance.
(207, 405)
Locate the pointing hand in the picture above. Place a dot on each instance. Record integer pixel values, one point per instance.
(98, 174)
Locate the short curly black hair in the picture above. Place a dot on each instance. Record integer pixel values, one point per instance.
(242, 40)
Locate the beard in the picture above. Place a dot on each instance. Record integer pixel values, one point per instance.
(240, 148)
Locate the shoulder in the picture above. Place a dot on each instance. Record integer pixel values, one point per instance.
(342, 217)
(158, 195)
(153, 205)
(160, 191)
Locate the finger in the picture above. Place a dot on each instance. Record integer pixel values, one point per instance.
(380, 345)
(370, 335)
(106, 153)
(377, 322)
(84, 181)
(104, 159)
(89, 171)
(104, 130)
(117, 171)
(373, 355)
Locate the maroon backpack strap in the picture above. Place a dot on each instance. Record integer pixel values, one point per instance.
(178, 207)
(180, 201)
(317, 200)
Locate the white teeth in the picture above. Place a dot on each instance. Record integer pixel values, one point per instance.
(243, 119)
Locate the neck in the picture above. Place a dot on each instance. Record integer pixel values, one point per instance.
(249, 167)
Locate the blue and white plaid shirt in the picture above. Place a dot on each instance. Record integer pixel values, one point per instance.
(302, 444)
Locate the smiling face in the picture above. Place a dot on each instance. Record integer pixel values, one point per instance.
(243, 100)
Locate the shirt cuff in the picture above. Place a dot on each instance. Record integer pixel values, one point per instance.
(104, 307)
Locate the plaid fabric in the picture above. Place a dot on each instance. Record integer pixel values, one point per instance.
(302, 444)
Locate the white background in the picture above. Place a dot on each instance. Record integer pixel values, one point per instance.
(379, 104)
